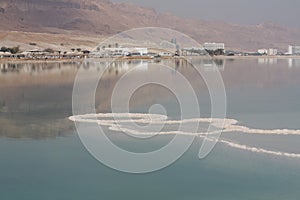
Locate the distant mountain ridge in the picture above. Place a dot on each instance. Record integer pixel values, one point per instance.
(103, 17)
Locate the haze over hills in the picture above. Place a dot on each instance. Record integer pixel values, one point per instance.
(98, 18)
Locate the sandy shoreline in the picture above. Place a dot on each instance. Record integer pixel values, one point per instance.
(256, 57)
(16, 60)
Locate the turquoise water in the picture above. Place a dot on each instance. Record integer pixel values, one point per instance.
(42, 156)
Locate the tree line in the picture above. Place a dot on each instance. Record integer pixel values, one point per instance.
(12, 50)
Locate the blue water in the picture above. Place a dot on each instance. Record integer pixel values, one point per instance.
(49, 162)
(62, 169)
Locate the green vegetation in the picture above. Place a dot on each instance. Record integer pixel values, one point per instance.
(49, 50)
(15, 50)
(12, 50)
(4, 49)
(217, 52)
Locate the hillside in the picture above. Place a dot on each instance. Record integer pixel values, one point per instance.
(98, 18)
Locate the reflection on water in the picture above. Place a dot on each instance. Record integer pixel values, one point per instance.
(59, 67)
(294, 62)
(36, 98)
(36, 68)
(36, 104)
(270, 61)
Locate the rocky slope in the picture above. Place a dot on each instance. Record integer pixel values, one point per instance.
(102, 18)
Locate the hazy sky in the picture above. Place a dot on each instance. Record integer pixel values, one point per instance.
(285, 12)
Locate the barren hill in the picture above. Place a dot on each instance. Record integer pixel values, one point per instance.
(91, 18)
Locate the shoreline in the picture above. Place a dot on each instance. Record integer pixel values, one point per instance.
(62, 60)
(18, 60)
(265, 57)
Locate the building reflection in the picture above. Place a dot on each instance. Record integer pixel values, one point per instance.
(36, 98)
(269, 61)
(293, 62)
(115, 68)
(37, 68)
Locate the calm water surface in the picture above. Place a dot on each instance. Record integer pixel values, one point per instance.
(43, 158)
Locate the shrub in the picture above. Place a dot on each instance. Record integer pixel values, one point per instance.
(4, 49)
(49, 50)
(15, 50)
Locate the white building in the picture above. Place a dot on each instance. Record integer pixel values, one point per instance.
(214, 46)
(262, 51)
(269, 52)
(272, 52)
(142, 51)
(121, 51)
(294, 50)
